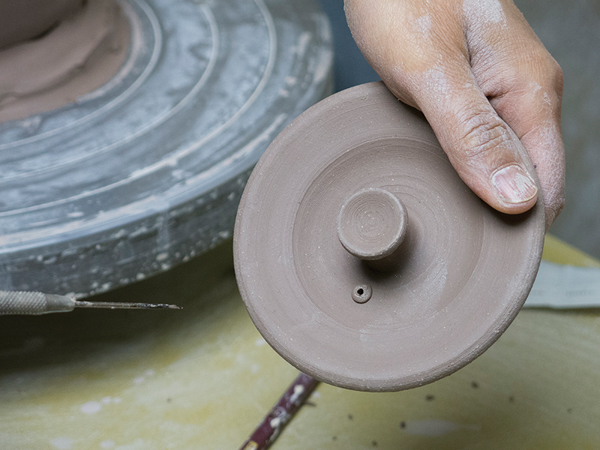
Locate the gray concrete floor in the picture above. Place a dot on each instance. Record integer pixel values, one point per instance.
(570, 30)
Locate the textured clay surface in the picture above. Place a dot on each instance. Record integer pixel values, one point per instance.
(372, 224)
(455, 283)
(56, 54)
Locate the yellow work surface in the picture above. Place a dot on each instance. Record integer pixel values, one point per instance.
(203, 378)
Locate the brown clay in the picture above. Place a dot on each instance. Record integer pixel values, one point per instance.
(84, 45)
(23, 20)
(448, 291)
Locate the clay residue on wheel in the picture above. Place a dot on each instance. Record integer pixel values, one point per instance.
(23, 20)
(52, 53)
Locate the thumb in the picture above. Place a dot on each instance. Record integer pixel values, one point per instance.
(483, 149)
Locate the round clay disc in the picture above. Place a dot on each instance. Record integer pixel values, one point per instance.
(459, 277)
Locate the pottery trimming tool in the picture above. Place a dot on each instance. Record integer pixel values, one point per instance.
(364, 259)
(37, 303)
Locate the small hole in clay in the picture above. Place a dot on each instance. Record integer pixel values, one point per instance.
(362, 293)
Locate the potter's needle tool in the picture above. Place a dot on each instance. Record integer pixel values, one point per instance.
(36, 303)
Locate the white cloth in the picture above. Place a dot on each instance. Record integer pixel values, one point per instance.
(559, 286)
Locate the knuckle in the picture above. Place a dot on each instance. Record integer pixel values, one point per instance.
(483, 133)
(557, 78)
(558, 204)
(553, 75)
(554, 210)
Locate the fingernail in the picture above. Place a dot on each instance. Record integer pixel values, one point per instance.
(514, 185)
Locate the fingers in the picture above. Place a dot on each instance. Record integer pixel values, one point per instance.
(485, 83)
(545, 145)
(534, 115)
(483, 149)
(526, 91)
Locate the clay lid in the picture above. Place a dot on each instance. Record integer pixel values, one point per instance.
(363, 258)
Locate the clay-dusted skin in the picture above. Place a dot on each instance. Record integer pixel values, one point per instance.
(459, 276)
(81, 47)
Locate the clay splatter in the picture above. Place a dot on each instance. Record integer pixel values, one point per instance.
(91, 407)
(62, 443)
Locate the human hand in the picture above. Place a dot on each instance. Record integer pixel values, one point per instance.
(486, 84)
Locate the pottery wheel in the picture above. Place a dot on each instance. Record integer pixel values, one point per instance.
(363, 258)
(147, 171)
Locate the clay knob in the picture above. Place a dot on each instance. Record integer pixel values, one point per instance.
(372, 224)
